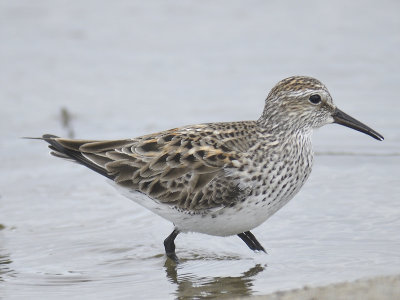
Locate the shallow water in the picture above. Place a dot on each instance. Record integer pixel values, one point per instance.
(131, 68)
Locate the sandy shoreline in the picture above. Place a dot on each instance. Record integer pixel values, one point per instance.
(382, 288)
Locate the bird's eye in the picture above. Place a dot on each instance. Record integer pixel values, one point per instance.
(315, 99)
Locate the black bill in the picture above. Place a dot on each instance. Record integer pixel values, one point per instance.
(345, 120)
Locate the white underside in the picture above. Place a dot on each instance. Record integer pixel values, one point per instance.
(219, 222)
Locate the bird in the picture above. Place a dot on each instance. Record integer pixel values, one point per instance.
(221, 179)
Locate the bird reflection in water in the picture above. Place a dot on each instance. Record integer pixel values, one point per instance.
(190, 286)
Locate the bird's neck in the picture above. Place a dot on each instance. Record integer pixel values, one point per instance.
(284, 130)
(280, 122)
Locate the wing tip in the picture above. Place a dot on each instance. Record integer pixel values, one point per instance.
(49, 136)
(44, 137)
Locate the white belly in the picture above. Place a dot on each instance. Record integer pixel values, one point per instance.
(219, 221)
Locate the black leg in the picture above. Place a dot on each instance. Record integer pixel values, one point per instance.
(248, 242)
(170, 245)
(251, 241)
(259, 247)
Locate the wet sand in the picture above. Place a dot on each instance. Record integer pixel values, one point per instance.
(382, 288)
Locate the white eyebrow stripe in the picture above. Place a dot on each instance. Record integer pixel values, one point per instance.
(299, 93)
(303, 92)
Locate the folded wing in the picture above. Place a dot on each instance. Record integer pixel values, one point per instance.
(185, 167)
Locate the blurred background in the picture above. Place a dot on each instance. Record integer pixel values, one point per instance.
(119, 69)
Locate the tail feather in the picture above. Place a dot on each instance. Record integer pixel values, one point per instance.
(55, 153)
(69, 149)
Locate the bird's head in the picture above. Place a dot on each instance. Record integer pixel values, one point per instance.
(304, 103)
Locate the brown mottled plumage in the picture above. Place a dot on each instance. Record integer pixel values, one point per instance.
(219, 178)
(182, 167)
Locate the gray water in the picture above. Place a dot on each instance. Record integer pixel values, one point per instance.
(102, 70)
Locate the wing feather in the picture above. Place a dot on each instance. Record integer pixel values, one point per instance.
(186, 167)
